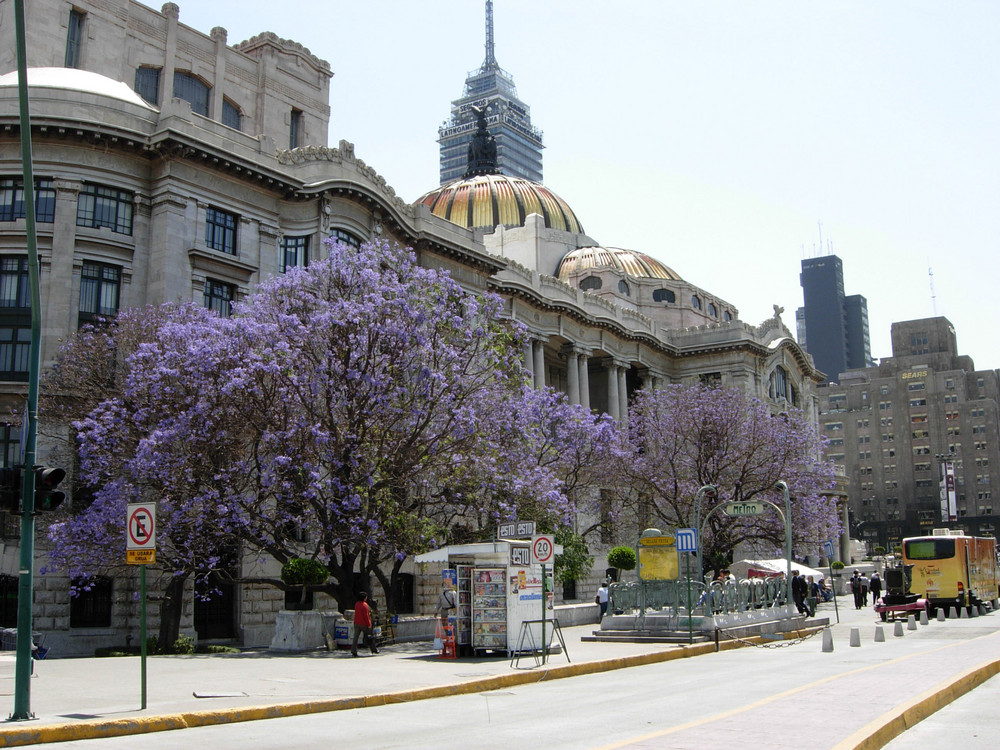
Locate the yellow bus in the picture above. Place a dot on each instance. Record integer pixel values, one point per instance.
(951, 569)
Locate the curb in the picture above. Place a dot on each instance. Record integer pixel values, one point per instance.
(888, 726)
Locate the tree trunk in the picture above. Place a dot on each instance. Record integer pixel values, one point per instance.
(171, 608)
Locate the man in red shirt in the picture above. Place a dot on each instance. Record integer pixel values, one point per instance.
(362, 624)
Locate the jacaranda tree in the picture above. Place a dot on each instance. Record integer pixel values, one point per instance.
(684, 437)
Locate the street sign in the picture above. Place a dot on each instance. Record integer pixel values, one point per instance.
(543, 549)
(516, 530)
(140, 535)
(520, 556)
(747, 508)
(687, 540)
(656, 541)
(828, 549)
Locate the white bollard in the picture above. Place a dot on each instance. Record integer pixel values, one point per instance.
(982, 609)
(827, 641)
(898, 630)
(973, 611)
(879, 634)
(940, 615)
(911, 622)
(952, 614)
(923, 617)
(964, 613)
(855, 636)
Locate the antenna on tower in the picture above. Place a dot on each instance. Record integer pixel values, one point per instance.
(930, 274)
(490, 58)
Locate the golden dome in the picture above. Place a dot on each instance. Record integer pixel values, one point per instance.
(486, 201)
(630, 262)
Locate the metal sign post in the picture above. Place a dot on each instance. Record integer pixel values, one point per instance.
(543, 549)
(687, 541)
(828, 551)
(140, 543)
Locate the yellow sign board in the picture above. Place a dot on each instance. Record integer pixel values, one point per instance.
(657, 559)
(140, 556)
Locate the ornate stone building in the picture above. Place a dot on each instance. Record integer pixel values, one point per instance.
(209, 169)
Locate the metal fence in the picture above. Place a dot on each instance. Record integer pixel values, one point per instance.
(715, 598)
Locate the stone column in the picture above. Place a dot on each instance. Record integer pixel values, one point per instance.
(614, 404)
(539, 368)
(622, 395)
(529, 360)
(584, 381)
(219, 36)
(573, 376)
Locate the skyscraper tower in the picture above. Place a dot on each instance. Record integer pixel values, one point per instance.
(491, 88)
(835, 326)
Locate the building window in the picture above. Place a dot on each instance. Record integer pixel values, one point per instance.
(916, 386)
(591, 282)
(10, 445)
(101, 206)
(231, 116)
(778, 387)
(192, 90)
(220, 230)
(623, 287)
(100, 286)
(147, 84)
(14, 287)
(12, 200)
(294, 252)
(712, 311)
(664, 295)
(727, 316)
(295, 129)
(349, 239)
(74, 39)
(695, 302)
(15, 351)
(219, 296)
(91, 607)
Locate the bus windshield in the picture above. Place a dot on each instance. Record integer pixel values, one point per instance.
(929, 549)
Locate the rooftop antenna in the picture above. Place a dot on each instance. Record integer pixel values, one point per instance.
(930, 274)
(491, 60)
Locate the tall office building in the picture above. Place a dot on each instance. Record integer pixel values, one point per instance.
(835, 326)
(519, 144)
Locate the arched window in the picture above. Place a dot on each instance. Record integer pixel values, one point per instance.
(695, 302)
(727, 316)
(192, 90)
(778, 387)
(591, 282)
(712, 311)
(664, 295)
(623, 287)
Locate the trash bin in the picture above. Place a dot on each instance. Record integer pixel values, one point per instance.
(343, 632)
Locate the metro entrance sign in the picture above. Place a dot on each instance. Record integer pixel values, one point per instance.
(746, 508)
(140, 535)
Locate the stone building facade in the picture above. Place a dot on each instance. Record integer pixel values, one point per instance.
(197, 191)
(893, 427)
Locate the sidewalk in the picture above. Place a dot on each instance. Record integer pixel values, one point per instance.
(81, 698)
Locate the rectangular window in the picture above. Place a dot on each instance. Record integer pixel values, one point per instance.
(15, 351)
(101, 206)
(100, 286)
(91, 607)
(834, 426)
(219, 296)
(220, 230)
(193, 90)
(14, 288)
(74, 39)
(916, 386)
(294, 252)
(147, 84)
(295, 129)
(12, 200)
(231, 117)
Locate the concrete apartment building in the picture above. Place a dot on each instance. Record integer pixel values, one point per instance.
(896, 426)
(171, 165)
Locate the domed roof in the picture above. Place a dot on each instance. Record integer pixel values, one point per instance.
(77, 80)
(635, 264)
(486, 201)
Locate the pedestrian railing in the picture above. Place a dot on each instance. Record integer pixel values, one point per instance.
(716, 598)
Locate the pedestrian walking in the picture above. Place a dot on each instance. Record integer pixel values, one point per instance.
(800, 590)
(856, 588)
(875, 586)
(603, 594)
(864, 590)
(363, 624)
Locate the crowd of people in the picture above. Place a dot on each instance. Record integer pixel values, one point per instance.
(862, 586)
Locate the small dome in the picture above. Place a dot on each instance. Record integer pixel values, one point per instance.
(635, 264)
(77, 80)
(488, 200)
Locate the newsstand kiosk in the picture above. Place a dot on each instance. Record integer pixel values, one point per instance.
(500, 596)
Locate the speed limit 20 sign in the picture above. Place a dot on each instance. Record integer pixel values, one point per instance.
(543, 549)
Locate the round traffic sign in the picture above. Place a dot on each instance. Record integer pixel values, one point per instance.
(542, 549)
(140, 527)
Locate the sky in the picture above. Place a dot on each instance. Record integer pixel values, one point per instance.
(727, 139)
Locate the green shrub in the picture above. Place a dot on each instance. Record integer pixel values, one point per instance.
(622, 558)
(183, 645)
(837, 565)
(879, 549)
(300, 571)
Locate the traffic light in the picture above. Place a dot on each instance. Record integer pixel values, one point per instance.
(10, 489)
(47, 497)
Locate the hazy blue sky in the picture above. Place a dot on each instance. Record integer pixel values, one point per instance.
(713, 135)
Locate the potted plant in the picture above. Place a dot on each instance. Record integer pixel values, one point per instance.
(303, 572)
(621, 558)
(837, 567)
